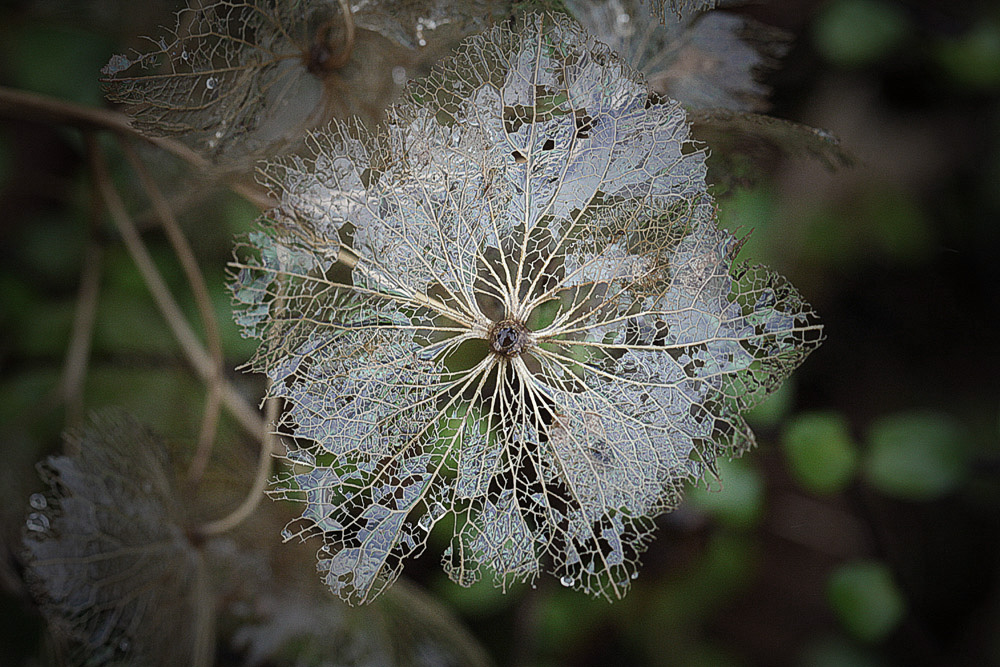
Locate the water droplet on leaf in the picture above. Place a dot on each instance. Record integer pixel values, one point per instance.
(37, 501)
(37, 522)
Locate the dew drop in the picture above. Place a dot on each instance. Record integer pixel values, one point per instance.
(37, 501)
(37, 522)
(635, 575)
(623, 18)
(211, 82)
(286, 534)
(184, 55)
(566, 580)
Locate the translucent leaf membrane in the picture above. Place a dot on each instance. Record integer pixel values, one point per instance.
(240, 80)
(710, 60)
(512, 308)
(662, 9)
(404, 628)
(740, 140)
(713, 63)
(106, 554)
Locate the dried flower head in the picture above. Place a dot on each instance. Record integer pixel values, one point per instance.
(107, 555)
(512, 309)
(243, 80)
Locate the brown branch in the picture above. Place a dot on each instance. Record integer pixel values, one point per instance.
(78, 351)
(206, 436)
(269, 447)
(199, 359)
(179, 242)
(33, 107)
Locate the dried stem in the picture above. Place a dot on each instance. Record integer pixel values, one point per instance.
(345, 55)
(206, 436)
(78, 351)
(269, 446)
(199, 359)
(210, 420)
(34, 107)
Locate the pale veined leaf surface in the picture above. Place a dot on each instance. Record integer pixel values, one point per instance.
(240, 80)
(511, 309)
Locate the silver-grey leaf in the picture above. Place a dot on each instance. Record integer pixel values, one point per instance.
(107, 555)
(243, 80)
(512, 307)
(712, 60)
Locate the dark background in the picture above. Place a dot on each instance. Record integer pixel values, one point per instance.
(864, 528)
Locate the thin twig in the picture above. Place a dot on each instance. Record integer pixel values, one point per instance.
(345, 54)
(183, 249)
(196, 355)
(78, 351)
(206, 436)
(34, 107)
(269, 447)
(179, 242)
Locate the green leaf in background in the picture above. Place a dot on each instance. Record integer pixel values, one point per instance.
(55, 60)
(820, 452)
(736, 499)
(772, 410)
(853, 33)
(865, 598)
(915, 456)
(973, 59)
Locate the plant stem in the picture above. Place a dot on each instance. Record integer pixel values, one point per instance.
(78, 351)
(253, 498)
(196, 280)
(34, 107)
(199, 359)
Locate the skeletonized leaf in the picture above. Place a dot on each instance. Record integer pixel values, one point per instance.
(247, 79)
(707, 61)
(511, 307)
(713, 63)
(661, 9)
(743, 142)
(404, 628)
(107, 557)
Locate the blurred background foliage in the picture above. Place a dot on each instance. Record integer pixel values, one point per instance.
(865, 530)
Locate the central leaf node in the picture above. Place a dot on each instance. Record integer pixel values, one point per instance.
(508, 338)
